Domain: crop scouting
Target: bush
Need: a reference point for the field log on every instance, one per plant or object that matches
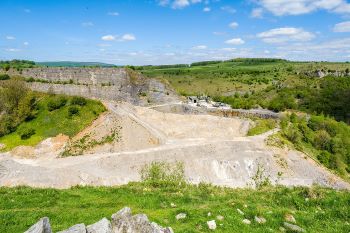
(292, 134)
(77, 100)
(322, 140)
(324, 157)
(56, 102)
(73, 110)
(4, 77)
(162, 173)
(26, 133)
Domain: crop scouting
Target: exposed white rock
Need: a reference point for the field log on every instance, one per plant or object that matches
(211, 224)
(42, 226)
(122, 222)
(259, 219)
(79, 228)
(181, 216)
(293, 227)
(240, 211)
(102, 226)
(289, 218)
(246, 221)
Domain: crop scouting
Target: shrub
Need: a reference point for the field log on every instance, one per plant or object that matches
(77, 100)
(26, 133)
(162, 173)
(292, 134)
(4, 77)
(322, 140)
(56, 103)
(30, 80)
(324, 157)
(73, 110)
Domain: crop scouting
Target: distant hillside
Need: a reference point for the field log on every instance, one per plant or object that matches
(73, 64)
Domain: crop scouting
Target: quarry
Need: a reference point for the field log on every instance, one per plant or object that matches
(149, 122)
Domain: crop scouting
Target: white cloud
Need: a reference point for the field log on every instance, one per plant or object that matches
(287, 34)
(87, 24)
(125, 37)
(233, 25)
(257, 13)
(229, 49)
(235, 41)
(331, 50)
(219, 33)
(178, 4)
(228, 9)
(206, 9)
(128, 37)
(10, 38)
(26, 43)
(108, 38)
(12, 50)
(342, 27)
(170, 54)
(298, 7)
(113, 13)
(200, 47)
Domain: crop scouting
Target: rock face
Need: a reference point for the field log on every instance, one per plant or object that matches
(100, 83)
(102, 226)
(79, 228)
(323, 73)
(122, 222)
(43, 226)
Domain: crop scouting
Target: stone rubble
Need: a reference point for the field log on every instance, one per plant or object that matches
(42, 226)
(246, 221)
(122, 222)
(292, 227)
(289, 218)
(240, 212)
(259, 219)
(180, 216)
(211, 224)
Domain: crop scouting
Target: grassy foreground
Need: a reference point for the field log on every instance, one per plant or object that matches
(315, 209)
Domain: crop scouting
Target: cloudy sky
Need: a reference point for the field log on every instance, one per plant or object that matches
(174, 31)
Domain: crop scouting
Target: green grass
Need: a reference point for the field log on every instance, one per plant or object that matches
(235, 76)
(49, 124)
(276, 84)
(315, 209)
(262, 126)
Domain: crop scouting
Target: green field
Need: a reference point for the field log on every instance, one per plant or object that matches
(315, 209)
(51, 123)
(239, 75)
(269, 83)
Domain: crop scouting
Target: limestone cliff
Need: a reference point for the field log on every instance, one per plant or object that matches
(100, 83)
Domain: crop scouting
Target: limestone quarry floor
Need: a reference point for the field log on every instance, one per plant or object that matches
(213, 149)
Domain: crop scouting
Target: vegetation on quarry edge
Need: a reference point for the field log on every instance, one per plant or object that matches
(29, 117)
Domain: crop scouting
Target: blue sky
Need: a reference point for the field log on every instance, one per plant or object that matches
(140, 32)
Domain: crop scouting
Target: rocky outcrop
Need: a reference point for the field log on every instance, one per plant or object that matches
(43, 226)
(100, 83)
(122, 222)
(323, 73)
